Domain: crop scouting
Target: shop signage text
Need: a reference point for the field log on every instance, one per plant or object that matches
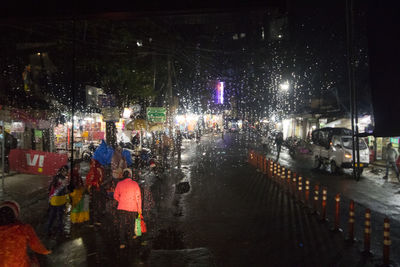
(156, 114)
(36, 162)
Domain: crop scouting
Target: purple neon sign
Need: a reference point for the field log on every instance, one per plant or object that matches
(220, 93)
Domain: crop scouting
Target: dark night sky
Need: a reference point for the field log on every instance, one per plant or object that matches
(382, 29)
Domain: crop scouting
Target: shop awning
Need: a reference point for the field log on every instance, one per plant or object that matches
(136, 125)
(156, 127)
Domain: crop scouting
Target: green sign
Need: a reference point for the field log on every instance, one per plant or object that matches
(38, 133)
(156, 114)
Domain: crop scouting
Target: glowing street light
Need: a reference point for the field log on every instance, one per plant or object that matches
(284, 86)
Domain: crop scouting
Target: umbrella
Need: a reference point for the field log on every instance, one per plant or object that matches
(156, 127)
(136, 125)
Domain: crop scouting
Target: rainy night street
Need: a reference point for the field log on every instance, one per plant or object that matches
(200, 133)
(217, 210)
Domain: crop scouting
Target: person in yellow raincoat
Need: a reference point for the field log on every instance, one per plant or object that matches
(79, 198)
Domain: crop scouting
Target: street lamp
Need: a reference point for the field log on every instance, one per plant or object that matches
(284, 86)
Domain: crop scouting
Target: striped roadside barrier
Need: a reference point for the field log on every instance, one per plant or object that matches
(386, 242)
(300, 189)
(350, 237)
(307, 194)
(323, 208)
(336, 226)
(367, 233)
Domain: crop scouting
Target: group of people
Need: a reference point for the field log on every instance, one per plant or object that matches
(88, 199)
(16, 236)
(115, 184)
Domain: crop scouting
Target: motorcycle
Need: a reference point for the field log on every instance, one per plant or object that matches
(88, 152)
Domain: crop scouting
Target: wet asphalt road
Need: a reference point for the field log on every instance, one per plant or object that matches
(382, 197)
(224, 211)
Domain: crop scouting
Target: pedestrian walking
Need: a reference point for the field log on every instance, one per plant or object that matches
(166, 147)
(128, 195)
(118, 163)
(391, 158)
(58, 192)
(15, 237)
(178, 144)
(278, 142)
(79, 199)
(10, 142)
(94, 179)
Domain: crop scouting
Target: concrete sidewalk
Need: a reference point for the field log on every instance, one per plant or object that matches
(26, 189)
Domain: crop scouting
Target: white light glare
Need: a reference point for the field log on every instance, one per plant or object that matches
(284, 86)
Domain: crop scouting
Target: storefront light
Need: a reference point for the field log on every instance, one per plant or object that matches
(192, 117)
(180, 118)
(127, 113)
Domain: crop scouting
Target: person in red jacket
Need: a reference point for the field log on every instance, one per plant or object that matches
(15, 237)
(129, 198)
(94, 180)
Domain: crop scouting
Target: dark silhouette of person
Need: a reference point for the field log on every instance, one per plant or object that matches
(278, 142)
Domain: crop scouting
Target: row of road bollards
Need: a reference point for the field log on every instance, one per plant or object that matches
(293, 185)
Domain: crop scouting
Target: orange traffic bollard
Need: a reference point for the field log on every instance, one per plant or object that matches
(257, 160)
(350, 237)
(294, 185)
(386, 242)
(300, 189)
(265, 165)
(336, 226)
(253, 158)
(307, 193)
(287, 181)
(278, 175)
(367, 233)
(283, 176)
(271, 169)
(316, 199)
(324, 199)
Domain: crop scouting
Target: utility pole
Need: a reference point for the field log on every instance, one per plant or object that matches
(353, 91)
(73, 85)
(3, 140)
(169, 95)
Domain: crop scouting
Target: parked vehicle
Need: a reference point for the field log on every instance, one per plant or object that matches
(88, 151)
(333, 146)
(233, 126)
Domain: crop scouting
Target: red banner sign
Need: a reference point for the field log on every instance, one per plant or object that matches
(36, 162)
